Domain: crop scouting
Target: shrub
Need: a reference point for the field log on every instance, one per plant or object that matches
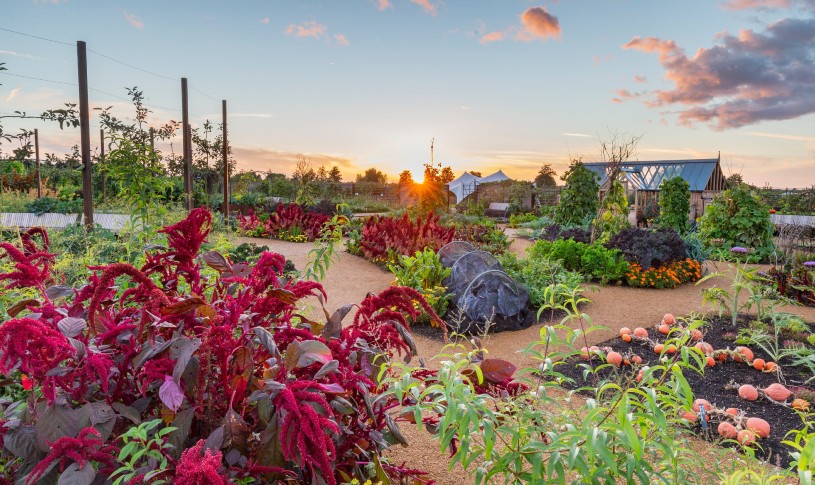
(225, 360)
(694, 247)
(546, 280)
(613, 216)
(674, 204)
(384, 239)
(667, 276)
(53, 204)
(578, 199)
(288, 222)
(425, 273)
(591, 260)
(739, 218)
(647, 247)
(484, 237)
(515, 220)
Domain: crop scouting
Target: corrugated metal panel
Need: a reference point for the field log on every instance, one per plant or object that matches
(792, 220)
(48, 220)
(111, 222)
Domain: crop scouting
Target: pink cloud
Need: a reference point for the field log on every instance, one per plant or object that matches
(307, 29)
(425, 4)
(492, 37)
(133, 20)
(341, 40)
(538, 23)
(744, 79)
(751, 4)
(640, 79)
(265, 20)
(385, 4)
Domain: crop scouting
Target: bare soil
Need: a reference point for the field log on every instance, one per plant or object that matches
(351, 278)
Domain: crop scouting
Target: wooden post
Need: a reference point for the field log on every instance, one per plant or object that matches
(37, 155)
(101, 165)
(226, 162)
(152, 139)
(85, 133)
(187, 145)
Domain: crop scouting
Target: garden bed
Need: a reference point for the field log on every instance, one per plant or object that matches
(713, 385)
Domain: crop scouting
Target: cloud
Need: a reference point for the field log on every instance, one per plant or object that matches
(426, 5)
(385, 4)
(265, 20)
(307, 29)
(14, 92)
(581, 135)
(782, 136)
(751, 4)
(341, 40)
(133, 20)
(22, 55)
(640, 79)
(264, 160)
(744, 79)
(538, 23)
(492, 37)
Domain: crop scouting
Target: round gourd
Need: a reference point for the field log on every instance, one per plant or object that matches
(658, 348)
(614, 358)
(584, 353)
(733, 411)
(626, 337)
(624, 331)
(746, 437)
(743, 354)
(699, 402)
(640, 332)
(748, 392)
(758, 364)
(692, 417)
(705, 347)
(760, 427)
(727, 430)
(710, 361)
(668, 319)
(770, 367)
(696, 334)
(664, 329)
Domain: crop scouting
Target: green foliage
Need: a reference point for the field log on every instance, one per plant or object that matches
(623, 433)
(613, 215)
(803, 441)
(515, 220)
(325, 251)
(425, 273)
(591, 260)
(695, 248)
(53, 204)
(739, 218)
(548, 283)
(674, 204)
(579, 198)
(142, 446)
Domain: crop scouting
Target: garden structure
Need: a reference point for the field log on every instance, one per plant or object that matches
(704, 176)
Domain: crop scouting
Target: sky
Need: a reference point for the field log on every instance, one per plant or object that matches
(508, 85)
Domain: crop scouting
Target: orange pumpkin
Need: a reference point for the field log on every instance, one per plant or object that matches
(743, 354)
(705, 347)
(626, 337)
(584, 353)
(710, 361)
(746, 437)
(759, 426)
(624, 331)
(668, 319)
(699, 402)
(733, 411)
(614, 358)
(777, 392)
(758, 364)
(658, 348)
(696, 334)
(671, 349)
(640, 332)
(664, 329)
(692, 417)
(770, 367)
(636, 359)
(748, 392)
(727, 430)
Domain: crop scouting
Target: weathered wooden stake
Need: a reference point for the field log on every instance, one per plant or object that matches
(187, 145)
(226, 162)
(37, 155)
(101, 165)
(85, 134)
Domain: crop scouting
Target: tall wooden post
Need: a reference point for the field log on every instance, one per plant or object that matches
(37, 155)
(152, 139)
(187, 145)
(85, 132)
(225, 156)
(101, 165)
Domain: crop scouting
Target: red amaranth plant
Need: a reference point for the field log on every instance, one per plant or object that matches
(85, 448)
(232, 360)
(384, 238)
(286, 221)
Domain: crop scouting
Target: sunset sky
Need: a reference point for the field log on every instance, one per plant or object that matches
(499, 84)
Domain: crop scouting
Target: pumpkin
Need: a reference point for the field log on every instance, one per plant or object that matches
(626, 337)
(705, 347)
(759, 426)
(697, 404)
(671, 349)
(800, 405)
(727, 430)
(777, 392)
(692, 417)
(668, 319)
(625, 331)
(743, 353)
(640, 375)
(658, 348)
(584, 353)
(636, 359)
(614, 358)
(640, 332)
(748, 392)
(696, 334)
(664, 329)
(770, 367)
(746, 437)
(710, 361)
(758, 364)
(733, 411)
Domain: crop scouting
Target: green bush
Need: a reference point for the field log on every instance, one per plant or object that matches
(674, 204)
(424, 272)
(737, 217)
(579, 198)
(613, 217)
(546, 280)
(52, 204)
(591, 260)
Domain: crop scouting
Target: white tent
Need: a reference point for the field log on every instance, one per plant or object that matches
(467, 183)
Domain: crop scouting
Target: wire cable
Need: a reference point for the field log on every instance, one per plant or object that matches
(38, 79)
(133, 67)
(36, 37)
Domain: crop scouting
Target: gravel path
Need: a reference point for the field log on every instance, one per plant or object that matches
(351, 278)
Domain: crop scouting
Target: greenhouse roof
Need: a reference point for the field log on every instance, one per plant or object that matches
(649, 175)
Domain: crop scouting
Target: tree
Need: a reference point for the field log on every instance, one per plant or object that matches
(447, 175)
(477, 174)
(546, 176)
(612, 214)
(431, 193)
(735, 179)
(334, 174)
(674, 204)
(373, 175)
(579, 198)
(406, 178)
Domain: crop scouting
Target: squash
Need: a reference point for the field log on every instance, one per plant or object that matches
(696, 334)
(746, 437)
(733, 411)
(748, 392)
(705, 347)
(668, 319)
(743, 354)
(692, 417)
(697, 404)
(640, 332)
(758, 364)
(658, 348)
(777, 392)
(710, 361)
(614, 358)
(664, 329)
(759, 426)
(770, 367)
(727, 430)
(625, 331)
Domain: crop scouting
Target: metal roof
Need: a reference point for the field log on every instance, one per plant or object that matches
(648, 175)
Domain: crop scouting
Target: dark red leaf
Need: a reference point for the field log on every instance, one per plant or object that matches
(497, 370)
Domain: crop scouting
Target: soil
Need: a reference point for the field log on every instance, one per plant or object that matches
(351, 278)
(713, 385)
